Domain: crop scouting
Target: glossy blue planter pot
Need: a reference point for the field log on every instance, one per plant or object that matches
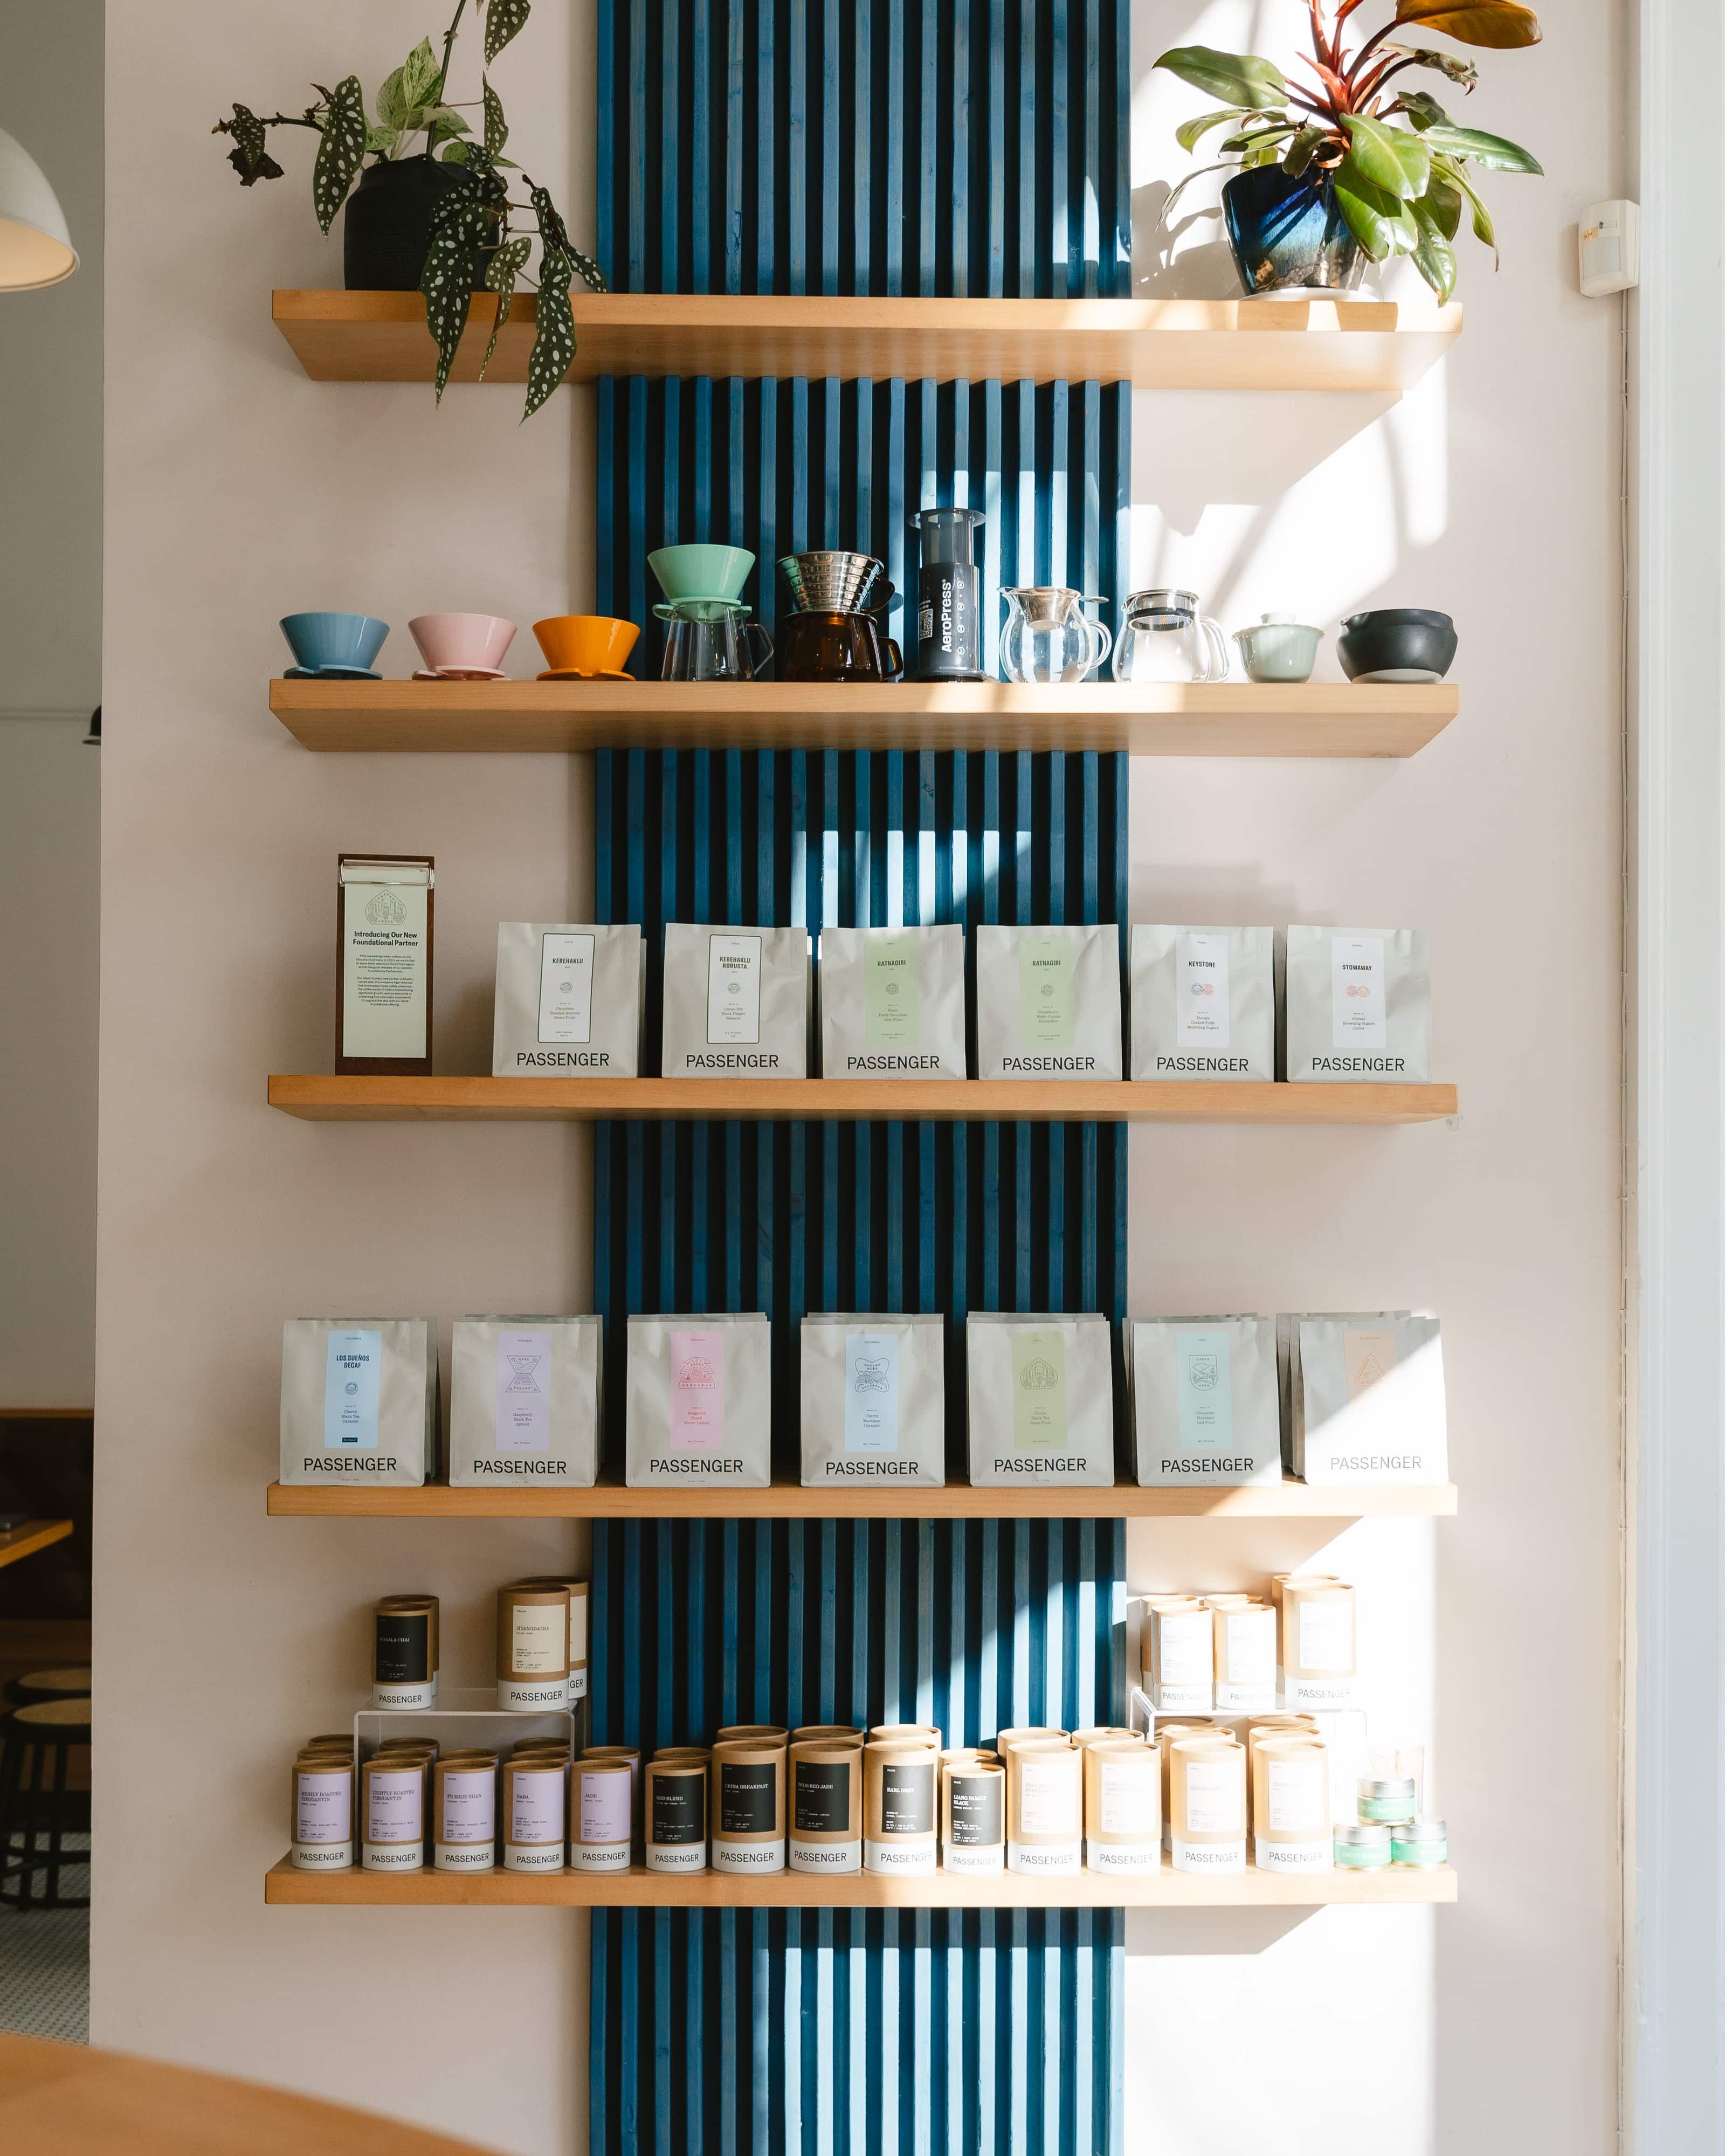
(1288, 235)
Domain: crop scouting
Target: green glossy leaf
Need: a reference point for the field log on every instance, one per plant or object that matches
(392, 105)
(1456, 173)
(1442, 202)
(1424, 111)
(501, 271)
(1191, 132)
(1433, 255)
(421, 76)
(497, 126)
(1254, 138)
(458, 226)
(1379, 220)
(554, 342)
(1245, 81)
(1492, 151)
(1501, 24)
(382, 140)
(1393, 158)
(1174, 193)
(1300, 150)
(445, 124)
(503, 18)
(250, 157)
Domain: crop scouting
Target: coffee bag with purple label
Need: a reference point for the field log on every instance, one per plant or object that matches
(736, 1002)
(1203, 1003)
(569, 1001)
(524, 1403)
(1040, 1406)
(1048, 1002)
(700, 1395)
(359, 1401)
(1356, 1006)
(891, 1003)
(873, 1400)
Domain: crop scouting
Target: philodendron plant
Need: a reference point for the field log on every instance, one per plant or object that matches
(474, 213)
(1398, 166)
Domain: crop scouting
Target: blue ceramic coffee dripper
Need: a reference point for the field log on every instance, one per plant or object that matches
(341, 645)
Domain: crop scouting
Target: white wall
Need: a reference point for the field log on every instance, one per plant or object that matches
(1489, 492)
(50, 681)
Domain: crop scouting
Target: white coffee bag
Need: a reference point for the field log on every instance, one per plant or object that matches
(524, 1403)
(1356, 1006)
(1204, 1401)
(1368, 1401)
(1040, 1405)
(736, 1002)
(359, 1400)
(874, 1400)
(892, 1003)
(1287, 1363)
(1203, 1003)
(699, 1399)
(570, 999)
(1048, 1002)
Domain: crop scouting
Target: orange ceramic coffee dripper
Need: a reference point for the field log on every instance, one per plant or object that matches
(585, 646)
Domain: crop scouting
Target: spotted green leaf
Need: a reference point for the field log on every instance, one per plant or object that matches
(554, 343)
(587, 271)
(503, 18)
(497, 126)
(339, 150)
(248, 156)
(505, 266)
(458, 225)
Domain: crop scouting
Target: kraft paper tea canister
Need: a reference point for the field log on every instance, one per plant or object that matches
(973, 1815)
(700, 1401)
(1290, 1805)
(900, 1797)
(524, 1402)
(533, 1648)
(1367, 1401)
(536, 1808)
(392, 1813)
(748, 1808)
(601, 1813)
(577, 1591)
(1178, 1650)
(1203, 1003)
(736, 1002)
(1205, 1407)
(359, 1400)
(676, 1813)
(1042, 1399)
(404, 1629)
(1122, 1806)
(1044, 1808)
(1207, 1822)
(1319, 1645)
(571, 997)
(1356, 1006)
(1048, 1002)
(320, 1818)
(826, 1803)
(464, 1810)
(873, 1400)
(891, 1003)
(1245, 1635)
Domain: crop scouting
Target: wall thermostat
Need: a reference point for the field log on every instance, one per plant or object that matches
(1611, 246)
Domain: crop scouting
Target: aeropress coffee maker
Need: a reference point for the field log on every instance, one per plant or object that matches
(949, 597)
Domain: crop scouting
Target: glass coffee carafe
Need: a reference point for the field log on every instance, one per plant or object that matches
(1166, 638)
(712, 640)
(1047, 637)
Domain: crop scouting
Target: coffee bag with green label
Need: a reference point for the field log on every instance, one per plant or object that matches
(874, 1400)
(700, 1397)
(892, 1003)
(359, 1401)
(569, 1001)
(736, 1002)
(1040, 1408)
(1203, 1003)
(1356, 1006)
(1204, 1401)
(1048, 1002)
(524, 1403)
(1367, 1398)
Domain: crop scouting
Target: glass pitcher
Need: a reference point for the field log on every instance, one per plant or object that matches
(1166, 638)
(710, 640)
(1047, 637)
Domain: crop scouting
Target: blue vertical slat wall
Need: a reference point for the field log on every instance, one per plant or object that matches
(866, 146)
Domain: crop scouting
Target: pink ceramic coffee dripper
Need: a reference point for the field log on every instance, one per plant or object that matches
(463, 647)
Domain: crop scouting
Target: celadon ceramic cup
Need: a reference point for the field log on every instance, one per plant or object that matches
(701, 573)
(1279, 649)
(595, 644)
(319, 641)
(462, 643)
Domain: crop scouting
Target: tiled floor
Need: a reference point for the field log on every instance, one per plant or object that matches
(44, 1966)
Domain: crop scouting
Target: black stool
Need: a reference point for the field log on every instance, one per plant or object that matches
(46, 1684)
(32, 1806)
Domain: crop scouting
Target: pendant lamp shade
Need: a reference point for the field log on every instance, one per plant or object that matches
(35, 247)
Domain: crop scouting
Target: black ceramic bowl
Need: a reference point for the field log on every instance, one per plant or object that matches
(1396, 639)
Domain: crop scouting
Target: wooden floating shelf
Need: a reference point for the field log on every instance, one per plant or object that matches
(789, 1501)
(1328, 719)
(366, 1099)
(1397, 1886)
(1154, 344)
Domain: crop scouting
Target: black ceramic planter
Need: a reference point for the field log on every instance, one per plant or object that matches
(1396, 639)
(386, 228)
(1288, 235)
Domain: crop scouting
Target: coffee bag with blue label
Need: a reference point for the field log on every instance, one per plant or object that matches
(736, 1002)
(874, 1400)
(700, 1397)
(524, 1403)
(570, 1000)
(1204, 1401)
(891, 1003)
(1203, 1003)
(1048, 1002)
(359, 1401)
(1356, 1006)
(1041, 1404)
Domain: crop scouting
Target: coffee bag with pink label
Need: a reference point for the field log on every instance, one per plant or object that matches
(736, 1003)
(700, 1397)
(1203, 1003)
(524, 1403)
(1040, 1406)
(1048, 1002)
(1366, 1396)
(569, 1000)
(1356, 1006)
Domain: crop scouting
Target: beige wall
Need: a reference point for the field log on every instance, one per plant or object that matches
(238, 491)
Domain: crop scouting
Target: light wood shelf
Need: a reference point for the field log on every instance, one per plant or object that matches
(1397, 1886)
(1155, 344)
(609, 1499)
(359, 1099)
(1323, 719)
